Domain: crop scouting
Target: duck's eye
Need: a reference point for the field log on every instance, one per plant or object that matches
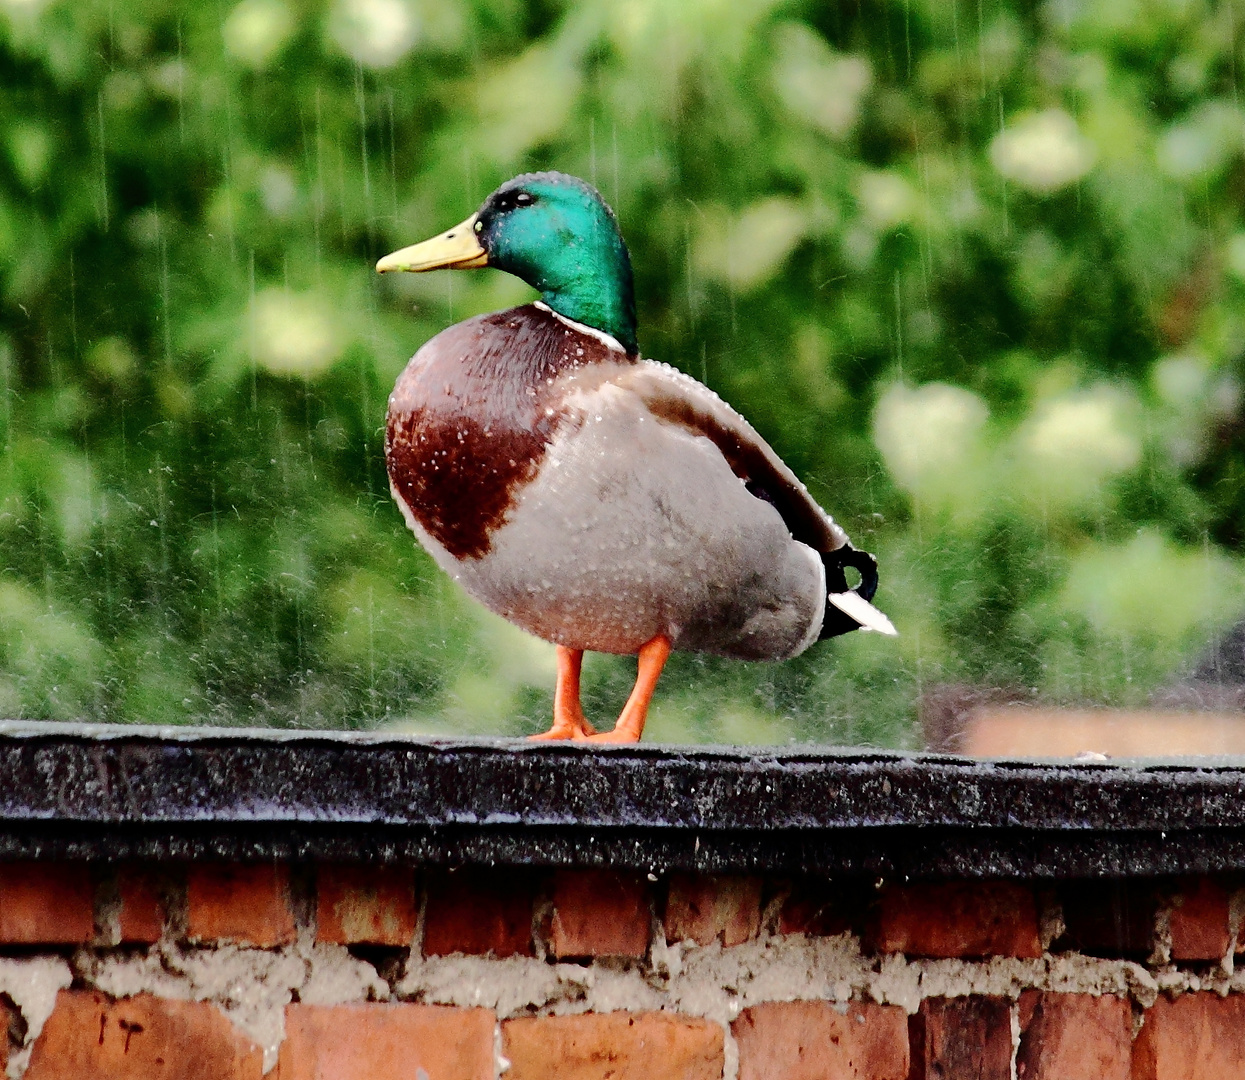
(522, 199)
(479, 226)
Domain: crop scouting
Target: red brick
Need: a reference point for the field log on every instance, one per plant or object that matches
(599, 913)
(816, 908)
(243, 903)
(968, 1038)
(1108, 918)
(617, 1046)
(46, 904)
(1199, 921)
(957, 919)
(705, 908)
(142, 913)
(367, 1041)
(1196, 1037)
(479, 912)
(372, 905)
(1076, 1037)
(1026, 1006)
(91, 1037)
(812, 1040)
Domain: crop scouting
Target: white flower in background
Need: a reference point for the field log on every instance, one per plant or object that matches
(886, 199)
(27, 8)
(819, 85)
(293, 333)
(30, 150)
(1203, 143)
(376, 33)
(1149, 587)
(1236, 255)
(256, 30)
(748, 250)
(1196, 401)
(930, 437)
(170, 78)
(1074, 443)
(77, 498)
(1042, 151)
(1180, 381)
(526, 100)
(278, 191)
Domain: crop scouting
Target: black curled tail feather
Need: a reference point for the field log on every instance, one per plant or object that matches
(836, 562)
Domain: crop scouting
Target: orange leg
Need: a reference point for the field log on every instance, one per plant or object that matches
(653, 656)
(568, 714)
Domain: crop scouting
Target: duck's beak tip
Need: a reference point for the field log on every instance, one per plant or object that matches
(457, 249)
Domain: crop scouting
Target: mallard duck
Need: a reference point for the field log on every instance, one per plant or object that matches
(598, 500)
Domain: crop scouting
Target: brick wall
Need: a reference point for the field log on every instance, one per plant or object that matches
(337, 972)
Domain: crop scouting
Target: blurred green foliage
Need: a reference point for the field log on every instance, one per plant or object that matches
(977, 271)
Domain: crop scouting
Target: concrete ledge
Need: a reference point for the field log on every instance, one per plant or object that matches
(115, 793)
(306, 905)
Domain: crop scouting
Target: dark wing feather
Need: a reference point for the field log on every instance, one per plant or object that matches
(679, 399)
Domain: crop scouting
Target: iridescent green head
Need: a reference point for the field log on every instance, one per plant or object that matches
(556, 233)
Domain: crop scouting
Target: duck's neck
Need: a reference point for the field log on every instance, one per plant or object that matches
(582, 271)
(599, 294)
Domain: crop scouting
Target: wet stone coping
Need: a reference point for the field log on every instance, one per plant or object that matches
(116, 793)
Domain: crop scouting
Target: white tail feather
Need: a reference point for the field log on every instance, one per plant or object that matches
(857, 607)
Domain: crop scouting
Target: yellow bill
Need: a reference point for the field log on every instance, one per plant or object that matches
(458, 249)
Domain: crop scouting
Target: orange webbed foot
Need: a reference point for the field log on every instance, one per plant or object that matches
(653, 656)
(568, 715)
(616, 736)
(569, 721)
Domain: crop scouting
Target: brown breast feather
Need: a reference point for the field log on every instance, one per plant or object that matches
(472, 415)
